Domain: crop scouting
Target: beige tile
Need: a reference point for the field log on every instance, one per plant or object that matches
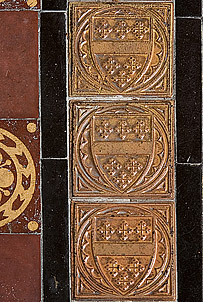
(123, 251)
(121, 48)
(123, 149)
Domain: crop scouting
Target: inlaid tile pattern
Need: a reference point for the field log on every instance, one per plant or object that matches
(123, 149)
(19, 176)
(20, 268)
(19, 83)
(17, 4)
(122, 48)
(123, 251)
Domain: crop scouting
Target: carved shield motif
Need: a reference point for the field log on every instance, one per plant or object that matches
(121, 147)
(121, 49)
(122, 250)
(122, 150)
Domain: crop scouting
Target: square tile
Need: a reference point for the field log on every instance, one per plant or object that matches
(122, 149)
(19, 83)
(19, 176)
(20, 268)
(17, 4)
(123, 251)
(121, 48)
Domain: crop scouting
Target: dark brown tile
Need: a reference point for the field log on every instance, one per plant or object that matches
(20, 268)
(123, 251)
(19, 176)
(17, 4)
(19, 64)
(123, 149)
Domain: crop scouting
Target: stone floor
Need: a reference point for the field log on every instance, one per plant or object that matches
(100, 151)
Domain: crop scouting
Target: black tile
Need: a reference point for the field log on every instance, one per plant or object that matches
(188, 81)
(53, 85)
(189, 208)
(188, 8)
(54, 4)
(55, 230)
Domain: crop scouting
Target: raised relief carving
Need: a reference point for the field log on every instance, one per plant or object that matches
(122, 149)
(17, 177)
(123, 251)
(121, 48)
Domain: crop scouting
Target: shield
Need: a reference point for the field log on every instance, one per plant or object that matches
(123, 247)
(121, 147)
(121, 46)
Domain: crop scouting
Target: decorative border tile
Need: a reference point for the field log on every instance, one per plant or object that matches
(19, 176)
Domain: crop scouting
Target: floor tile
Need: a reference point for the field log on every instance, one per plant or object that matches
(55, 230)
(19, 176)
(123, 251)
(123, 149)
(54, 4)
(19, 84)
(189, 232)
(20, 268)
(17, 4)
(188, 8)
(53, 85)
(122, 48)
(189, 90)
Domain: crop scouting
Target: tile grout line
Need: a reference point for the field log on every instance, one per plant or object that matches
(67, 158)
(41, 237)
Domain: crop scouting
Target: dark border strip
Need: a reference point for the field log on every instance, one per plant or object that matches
(188, 8)
(55, 230)
(189, 94)
(54, 4)
(53, 85)
(189, 236)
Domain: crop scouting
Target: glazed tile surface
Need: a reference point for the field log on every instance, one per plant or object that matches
(19, 83)
(123, 149)
(123, 251)
(122, 48)
(19, 4)
(20, 268)
(19, 176)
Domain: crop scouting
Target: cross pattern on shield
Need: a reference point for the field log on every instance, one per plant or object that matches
(121, 147)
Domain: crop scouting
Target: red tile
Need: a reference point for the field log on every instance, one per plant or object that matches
(19, 64)
(20, 268)
(26, 4)
(19, 176)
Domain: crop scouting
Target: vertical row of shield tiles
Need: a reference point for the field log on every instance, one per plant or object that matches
(122, 151)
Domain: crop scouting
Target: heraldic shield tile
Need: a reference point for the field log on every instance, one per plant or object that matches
(17, 4)
(123, 251)
(19, 176)
(123, 149)
(121, 48)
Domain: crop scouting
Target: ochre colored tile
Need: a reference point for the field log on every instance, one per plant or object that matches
(121, 48)
(19, 176)
(19, 64)
(123, 149)
(17, 4)
(20, 268)
(123, 251)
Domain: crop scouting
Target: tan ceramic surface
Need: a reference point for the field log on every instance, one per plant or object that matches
(123, 251)
(121, 48)
(123, 149)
